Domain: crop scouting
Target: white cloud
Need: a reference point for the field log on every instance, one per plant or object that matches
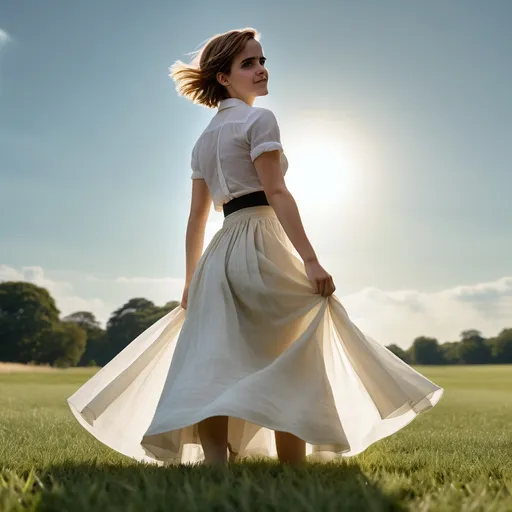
(159, 290)
(4, 37)
(388, 316)
(151, 280)
(61, 291)
(400, 316)
(139, 280)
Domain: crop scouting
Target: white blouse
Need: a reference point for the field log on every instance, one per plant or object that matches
(224, 153)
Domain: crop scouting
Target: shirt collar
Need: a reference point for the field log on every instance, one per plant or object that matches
(230, 102)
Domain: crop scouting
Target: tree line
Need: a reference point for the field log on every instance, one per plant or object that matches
(32, 331)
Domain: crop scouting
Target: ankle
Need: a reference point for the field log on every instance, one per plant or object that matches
(216, 455)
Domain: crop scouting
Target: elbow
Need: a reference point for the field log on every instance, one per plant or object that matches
(275, 194)
(198, 217)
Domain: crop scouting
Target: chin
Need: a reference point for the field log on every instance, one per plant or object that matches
(263, 93)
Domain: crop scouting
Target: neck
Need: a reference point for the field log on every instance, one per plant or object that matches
(249, 100)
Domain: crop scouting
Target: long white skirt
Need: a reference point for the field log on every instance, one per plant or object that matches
(255, 344)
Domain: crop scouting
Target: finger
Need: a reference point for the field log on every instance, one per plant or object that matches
(327, 287)
(322, 287)
(331, 286)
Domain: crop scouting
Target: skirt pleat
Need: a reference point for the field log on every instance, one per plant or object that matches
(255, 344)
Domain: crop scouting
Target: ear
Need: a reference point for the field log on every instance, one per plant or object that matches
(222, 79)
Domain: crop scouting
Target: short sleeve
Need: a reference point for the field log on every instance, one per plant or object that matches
(196, 171)
(263, 133)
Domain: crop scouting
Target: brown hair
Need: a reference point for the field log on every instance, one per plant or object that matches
(197, 81)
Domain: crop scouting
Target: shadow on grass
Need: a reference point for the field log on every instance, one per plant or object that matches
(249, 486)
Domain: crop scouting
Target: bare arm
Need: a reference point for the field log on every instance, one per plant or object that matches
(271, 177)
(199, 210)
(280, 198)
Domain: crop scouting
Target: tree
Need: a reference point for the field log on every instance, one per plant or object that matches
(64, 345)
(426, 351)
(84, 319)
(473, 348)
(501, 347)
(469, 334)
(169, 306)
(27, 314)
(450, 352)
(159, 312)
(132, 319)
(97, 348)
(399, 352)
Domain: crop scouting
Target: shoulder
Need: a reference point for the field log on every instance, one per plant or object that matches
(202, 139)
(257, 112)
(259, 116)
(196, 148)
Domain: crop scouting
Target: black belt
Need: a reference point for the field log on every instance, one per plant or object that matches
(258, 198)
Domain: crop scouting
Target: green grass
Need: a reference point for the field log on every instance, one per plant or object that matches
(456, 457)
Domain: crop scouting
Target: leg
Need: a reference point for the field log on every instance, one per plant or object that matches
(290, 448)
(213, 433)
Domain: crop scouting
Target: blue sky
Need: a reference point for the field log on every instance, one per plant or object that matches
(395, 116)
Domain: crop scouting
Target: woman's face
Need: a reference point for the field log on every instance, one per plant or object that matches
(249, 77)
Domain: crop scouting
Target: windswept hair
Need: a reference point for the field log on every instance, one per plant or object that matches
(197, 81)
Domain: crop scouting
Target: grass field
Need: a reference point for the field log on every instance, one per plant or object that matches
(456, 457)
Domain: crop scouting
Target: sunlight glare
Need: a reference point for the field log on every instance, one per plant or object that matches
(329, 162)
(322, 171)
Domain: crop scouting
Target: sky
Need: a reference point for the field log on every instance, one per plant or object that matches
(395, 117)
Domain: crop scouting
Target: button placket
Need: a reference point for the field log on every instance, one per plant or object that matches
(222, 180)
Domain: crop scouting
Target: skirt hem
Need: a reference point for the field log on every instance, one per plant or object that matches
(406, 417)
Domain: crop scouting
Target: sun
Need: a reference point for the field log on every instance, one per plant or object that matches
(322, 171)
(327, 161)
(330, 168)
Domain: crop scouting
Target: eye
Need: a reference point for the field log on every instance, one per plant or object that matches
(248, 63)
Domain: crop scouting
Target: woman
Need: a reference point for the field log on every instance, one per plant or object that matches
(266, 360)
